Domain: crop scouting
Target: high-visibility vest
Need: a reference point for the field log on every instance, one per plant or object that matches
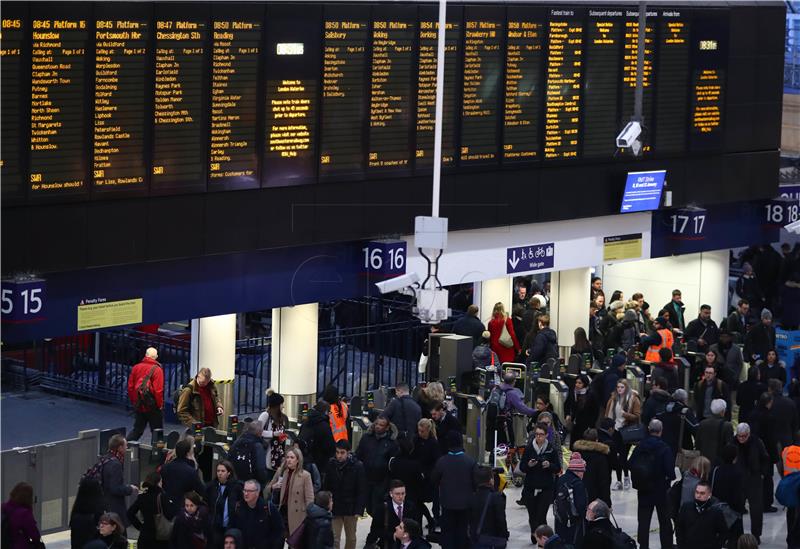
(791, 459)
(339, 421)
(666, 343)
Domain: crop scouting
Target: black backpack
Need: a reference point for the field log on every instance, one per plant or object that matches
(564, 506)
(496, 403)
(176, 397)
(619, 539)
(642, 469)
(242, 455)
(144, 396)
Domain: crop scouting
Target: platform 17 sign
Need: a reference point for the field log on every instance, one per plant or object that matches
(534, 257)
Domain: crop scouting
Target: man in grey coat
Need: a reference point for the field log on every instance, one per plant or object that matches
(112, 479)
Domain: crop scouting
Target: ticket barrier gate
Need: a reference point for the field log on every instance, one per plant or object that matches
(636, 378)
(471, 413)
(359, 426)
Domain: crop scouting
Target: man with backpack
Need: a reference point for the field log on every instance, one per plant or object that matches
(600, 533)
(248, 456)
(569, 504)
(108, 473)
(652, 467)
(503, 400)
(180, 476)
(146, 393)
(403, 411)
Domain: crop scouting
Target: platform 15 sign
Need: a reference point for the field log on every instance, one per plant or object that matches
(22, 301)
(384, 257)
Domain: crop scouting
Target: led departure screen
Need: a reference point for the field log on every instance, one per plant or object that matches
(672, 78)
(11, 39)
(426, 91)
(706, 100)
(709, 52)
(234, 102)
(601, 81)
(629, 73)
(563, 94)
(179, 152)
(483, 68)
(522, 88)
(390, 93)
(120, 117)
(58, 113)
(343, 96)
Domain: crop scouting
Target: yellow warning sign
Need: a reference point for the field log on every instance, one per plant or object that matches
(626, 246)
(105, 314)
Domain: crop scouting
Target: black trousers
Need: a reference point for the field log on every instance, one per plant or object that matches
(375, 497)
(155, 418)
(768, 488)
(537, 507)
(645, 514)
(753, 493)
(454, 528)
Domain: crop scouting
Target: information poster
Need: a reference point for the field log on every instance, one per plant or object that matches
(95, 314)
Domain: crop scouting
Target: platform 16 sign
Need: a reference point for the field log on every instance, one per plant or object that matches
(22, 301)
(385, 257)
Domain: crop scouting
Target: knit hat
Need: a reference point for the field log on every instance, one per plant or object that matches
(618, 360)
(630, 315)
(273, 399)
(618, 304)
(766, 314)
(576, 463)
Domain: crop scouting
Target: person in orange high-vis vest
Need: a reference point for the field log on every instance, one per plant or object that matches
(655, 344)
(790, 457)
(339, 414)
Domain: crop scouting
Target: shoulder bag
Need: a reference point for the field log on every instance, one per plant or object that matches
(495, 542)
(632, 433)
(163, 525)
(684, 458)
(505, 337)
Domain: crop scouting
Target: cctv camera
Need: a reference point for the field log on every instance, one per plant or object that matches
(397, 283)
(629, 135)
(793, 227)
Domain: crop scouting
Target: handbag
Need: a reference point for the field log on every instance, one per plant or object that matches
(163, 525)
(484, 540)
(632, 433)
(296, 538)
(684, 459)
(728, 513)
(505, 337)
(422, 364)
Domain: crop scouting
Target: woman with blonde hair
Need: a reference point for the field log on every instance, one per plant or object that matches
(625, 408)
(426, 452)
(429, 396)
(503, 338)
(296, 491)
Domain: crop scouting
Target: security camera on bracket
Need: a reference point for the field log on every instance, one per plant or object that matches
(629, 139)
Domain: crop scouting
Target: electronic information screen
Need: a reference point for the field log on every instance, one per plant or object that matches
(174, 98)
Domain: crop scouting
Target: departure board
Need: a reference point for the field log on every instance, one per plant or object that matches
(483, 69)
(343, 94)
(426, 91)
(706, 100)
(708, 54)
(234, 102)
(119, 121)
(522, 87)
(58, 112)
(11, 40)
(672, 76)
(629, 73)
(564, 79)
(393, 56)
(179, 141)
(601, 82)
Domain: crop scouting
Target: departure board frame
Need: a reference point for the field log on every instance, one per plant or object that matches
(708, 58)
(13, 37)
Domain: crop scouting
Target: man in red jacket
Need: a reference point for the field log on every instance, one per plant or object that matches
(146, 392)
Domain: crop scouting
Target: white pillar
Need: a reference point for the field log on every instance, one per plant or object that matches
(294, 354)
(493, 291)
(213, 346)
(714, 268)
(569, 303)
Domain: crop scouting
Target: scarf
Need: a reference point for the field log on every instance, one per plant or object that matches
(285, 487)
(539, 449)
(580, 392)
(119, 454)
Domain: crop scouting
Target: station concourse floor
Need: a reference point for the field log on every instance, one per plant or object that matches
(36, 417)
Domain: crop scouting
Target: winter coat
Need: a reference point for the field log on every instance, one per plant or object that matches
(572, 534)
(784, 417)
(747, 395)
(545, 345)
(375, 453)
(348, 484)
(114, 541)
(319, 528)
(696, 330)
(537, 477)
(494, 522)
(156, 383)
(720, 390)
(663, 472)
(21, 525)
(712, 435)
(775, 371)
(632, 412)
(188, 529)
(426, 452)
(404, 467)
(599, 534)
(300, 493)
(253, 445)
(190, 404)
(454, 476)
(316, 432)
(668, 371)
(597, 479)
(673, 415)
(448, 423)
(233, 494)
(114, 488)
(261, 526)
(730, 359)
(147, 504)
(179, 476)
(726, 485)
(583, 411)
(405, 413)
(470, 326)
(655, 404)
(752, 458)
(759, 340)
(701, 527)
(482, 357)
(506, 354)
(762, 425)
(676, 315)
(83, 528)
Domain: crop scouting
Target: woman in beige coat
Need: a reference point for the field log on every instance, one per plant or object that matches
(295, 488)
(625, 408)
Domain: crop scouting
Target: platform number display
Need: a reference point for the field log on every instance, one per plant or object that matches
(782, 211)
(22, 301)
(384, 257)
(688, 223)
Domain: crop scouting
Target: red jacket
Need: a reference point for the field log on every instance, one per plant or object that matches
(495, 326)
(138, 373)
